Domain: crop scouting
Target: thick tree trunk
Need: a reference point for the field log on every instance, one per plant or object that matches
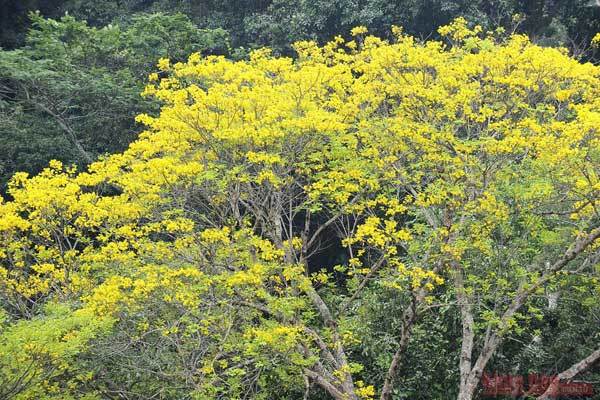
(467, 391)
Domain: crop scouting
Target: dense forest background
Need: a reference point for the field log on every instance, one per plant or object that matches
(71, 71)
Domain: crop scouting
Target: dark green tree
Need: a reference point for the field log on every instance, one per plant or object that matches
(72, 92)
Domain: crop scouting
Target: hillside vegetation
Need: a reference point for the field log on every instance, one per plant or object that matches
(371, 218)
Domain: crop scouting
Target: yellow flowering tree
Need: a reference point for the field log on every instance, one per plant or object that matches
(467, 169)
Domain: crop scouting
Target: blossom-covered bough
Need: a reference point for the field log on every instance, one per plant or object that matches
(467, 170)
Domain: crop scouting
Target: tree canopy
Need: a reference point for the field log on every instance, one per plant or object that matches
(457, 182)
(72, 69)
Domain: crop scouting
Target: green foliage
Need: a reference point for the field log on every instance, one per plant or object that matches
(278, 23)
(148, 37)
(72, 92)
(39, 357)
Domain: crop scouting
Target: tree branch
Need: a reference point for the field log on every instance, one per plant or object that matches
(570, 373)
